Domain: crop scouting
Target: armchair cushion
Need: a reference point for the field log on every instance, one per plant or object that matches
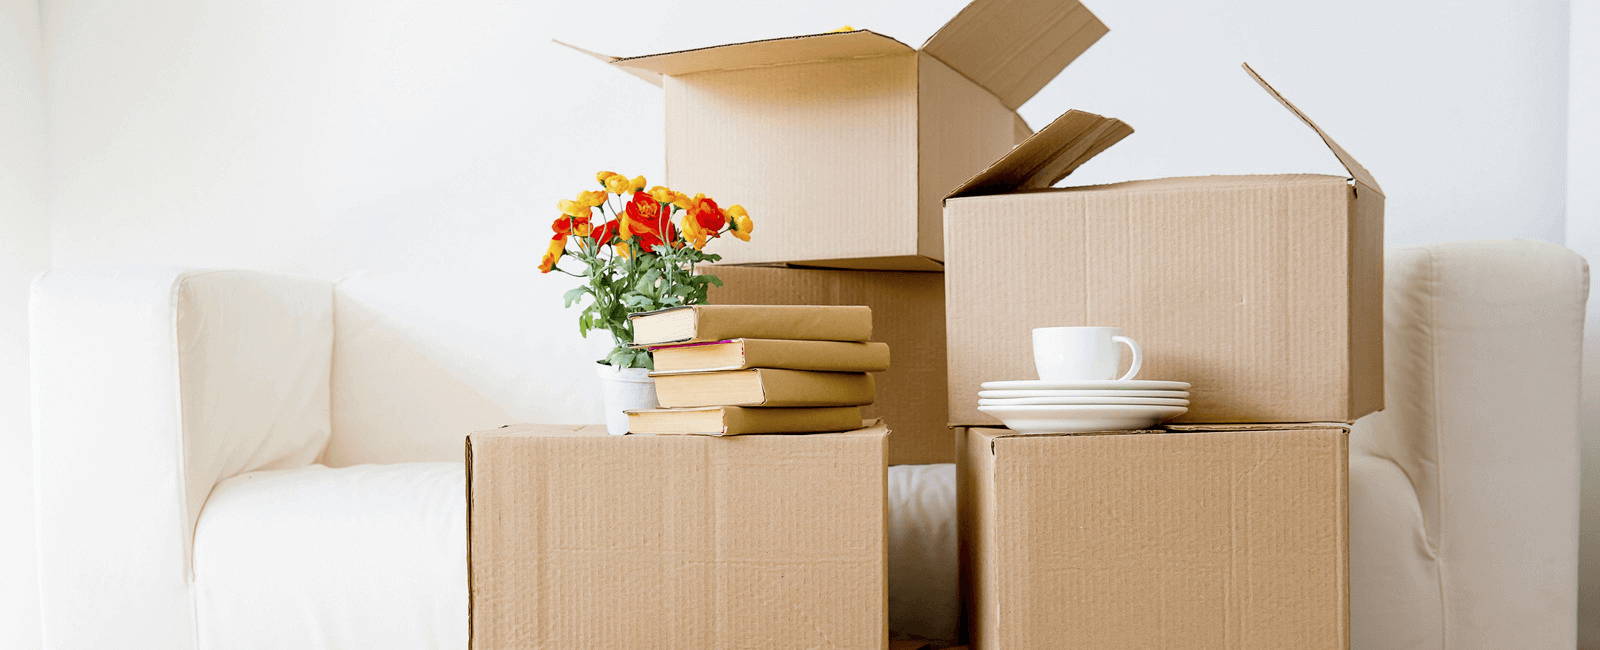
(369, 556)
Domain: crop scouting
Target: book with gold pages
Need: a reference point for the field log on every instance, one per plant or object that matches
(737, 420)
(707, 323)
(763, 387)
(739, 354)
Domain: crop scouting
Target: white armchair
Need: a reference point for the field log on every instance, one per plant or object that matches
(180, 417)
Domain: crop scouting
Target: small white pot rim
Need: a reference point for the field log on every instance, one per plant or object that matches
(632, 375)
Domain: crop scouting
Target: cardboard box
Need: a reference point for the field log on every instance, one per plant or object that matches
(1264, 292)
(907, 314)
(841, 145)
(1156, 539)
(577, 539)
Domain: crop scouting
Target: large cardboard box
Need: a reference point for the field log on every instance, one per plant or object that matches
(907, 314)
(841, 145)
(577, 539)
(1156, 539)
(1264, 292)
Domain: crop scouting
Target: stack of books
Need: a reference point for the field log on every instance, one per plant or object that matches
(742, 369)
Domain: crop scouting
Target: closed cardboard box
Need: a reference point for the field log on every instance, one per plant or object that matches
(907, 314)
(855, 134)
(1264, 292)
(1156, 539)
(577, 539)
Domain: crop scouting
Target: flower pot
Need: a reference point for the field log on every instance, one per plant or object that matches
(624, 389)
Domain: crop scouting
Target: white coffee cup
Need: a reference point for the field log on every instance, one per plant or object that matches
(1082, 353)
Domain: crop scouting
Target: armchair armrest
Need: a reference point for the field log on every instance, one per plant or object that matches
(150, 385)
(1483, 342)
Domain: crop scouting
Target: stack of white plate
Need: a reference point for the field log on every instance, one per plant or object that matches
(1033, 406)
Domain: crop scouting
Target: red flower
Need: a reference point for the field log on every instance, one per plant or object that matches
(708, 216)
(604, 233)
(645, 222)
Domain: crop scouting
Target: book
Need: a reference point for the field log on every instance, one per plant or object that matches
(706, 323)
(764, 387)
(738, 354)
(737, 420)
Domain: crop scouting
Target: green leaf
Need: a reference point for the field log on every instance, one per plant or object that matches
(574, 295)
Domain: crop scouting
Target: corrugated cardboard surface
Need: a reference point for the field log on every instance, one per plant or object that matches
(1261, 291)
(874, 132)
(582, 540)
(825, 174)
(960, 127)
(907, 313)
(1204, 539)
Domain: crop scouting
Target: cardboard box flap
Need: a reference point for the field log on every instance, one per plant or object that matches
(777, 51)
(1048, 156)
(1014, 47)
(653, 78)
(1357, 172)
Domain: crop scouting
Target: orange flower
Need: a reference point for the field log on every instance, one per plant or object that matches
(558, 247)
(565, 225)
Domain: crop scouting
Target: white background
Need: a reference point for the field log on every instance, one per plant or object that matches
(427, 142)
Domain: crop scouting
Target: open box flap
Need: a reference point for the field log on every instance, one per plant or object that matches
(1357, 172)
(1048, 156)
(1014, 47)
(776, 51)
(652, 77)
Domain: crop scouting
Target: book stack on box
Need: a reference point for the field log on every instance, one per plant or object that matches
(752, 369)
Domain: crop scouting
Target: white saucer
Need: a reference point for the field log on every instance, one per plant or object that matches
(1108, 384)
(1081, 401)
(1167, 394)
(1081, 419)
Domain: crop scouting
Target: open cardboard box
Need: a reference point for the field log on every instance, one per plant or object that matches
(855, 135)
(1264, 292)
(1208, 537)
(907, 314)
(578, 539)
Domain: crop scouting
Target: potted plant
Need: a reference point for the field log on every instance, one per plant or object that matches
(638, 250)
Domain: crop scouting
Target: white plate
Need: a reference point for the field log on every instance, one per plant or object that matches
(1082, 401)
(1168, 394)
(1109, 384)
(1081, 419)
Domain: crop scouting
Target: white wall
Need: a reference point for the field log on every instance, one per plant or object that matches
(428, 141)
(24, 251)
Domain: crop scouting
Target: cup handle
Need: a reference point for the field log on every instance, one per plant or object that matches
(1138, 357)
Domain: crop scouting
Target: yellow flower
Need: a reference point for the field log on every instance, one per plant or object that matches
(846, 28)
(739, 222)
(618, 184)
(638, 184)
(692, 232)
(591, 198)
(573, 208)
(662, 194)
(680, 200)
(602, 176)
(623, 251)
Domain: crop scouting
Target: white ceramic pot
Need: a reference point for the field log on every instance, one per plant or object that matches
(624, 389)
